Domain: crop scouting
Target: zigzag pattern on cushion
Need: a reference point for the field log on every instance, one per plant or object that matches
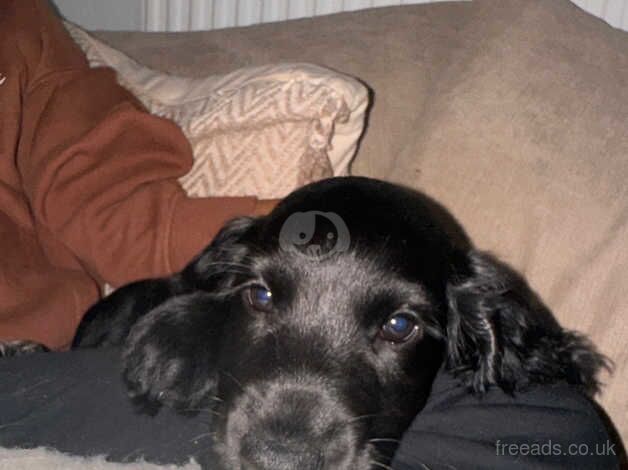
(228, 162)
(260, 144)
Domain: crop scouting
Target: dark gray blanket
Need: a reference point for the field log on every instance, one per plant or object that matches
(75, 402)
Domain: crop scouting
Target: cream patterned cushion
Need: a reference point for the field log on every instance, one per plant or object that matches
(256, 131)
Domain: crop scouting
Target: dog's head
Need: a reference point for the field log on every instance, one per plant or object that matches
(315, 332)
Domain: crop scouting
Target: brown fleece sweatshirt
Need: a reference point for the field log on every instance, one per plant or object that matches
(88, 182)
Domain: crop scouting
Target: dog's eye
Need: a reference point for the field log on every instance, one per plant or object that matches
(259, 298)
(399, 328)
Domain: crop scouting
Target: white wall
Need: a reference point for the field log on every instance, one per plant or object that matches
(184, 15)
(104, 14)
(614, 12)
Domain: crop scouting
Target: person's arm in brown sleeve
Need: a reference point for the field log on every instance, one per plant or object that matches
(99, 172)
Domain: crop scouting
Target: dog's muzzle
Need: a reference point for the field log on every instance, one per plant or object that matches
(275, 426)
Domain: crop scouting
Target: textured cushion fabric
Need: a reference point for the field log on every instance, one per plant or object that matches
(512, 113)
(43, 458)
(259, 130)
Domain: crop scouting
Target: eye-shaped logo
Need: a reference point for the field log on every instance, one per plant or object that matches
(314, 233)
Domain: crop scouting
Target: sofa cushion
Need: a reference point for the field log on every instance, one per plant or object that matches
(258, 130)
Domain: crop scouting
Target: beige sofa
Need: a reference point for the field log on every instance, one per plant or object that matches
(512, 113)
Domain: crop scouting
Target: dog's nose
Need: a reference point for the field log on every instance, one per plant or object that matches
(294, 430)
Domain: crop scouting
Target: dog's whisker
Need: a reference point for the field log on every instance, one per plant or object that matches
(358, 418)
(202, 410)
(381, 465)
(349, 422)
(232, 271)
(232, 377)
(224, 265)
(250, 393)
(202, 436)
(384, 439)
(227, 263)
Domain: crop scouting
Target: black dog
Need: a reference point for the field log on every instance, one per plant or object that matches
(314, 333)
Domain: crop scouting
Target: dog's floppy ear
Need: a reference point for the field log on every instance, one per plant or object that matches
(224, 255)
(169, 356)
(499, 333)
(107, 322)
(170, 353)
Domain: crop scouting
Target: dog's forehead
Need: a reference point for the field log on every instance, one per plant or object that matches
(344, 214)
